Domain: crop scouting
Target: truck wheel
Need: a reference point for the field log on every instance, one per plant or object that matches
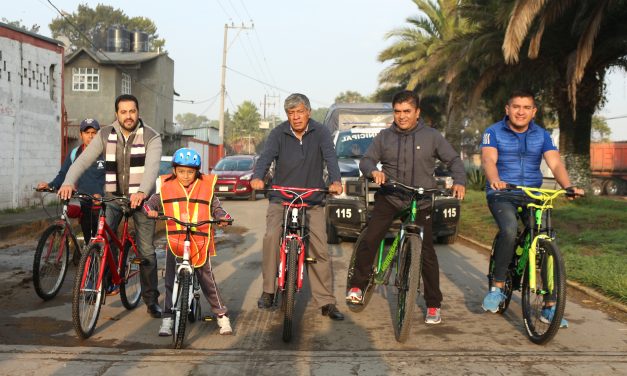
(613, 187)
(332, 237)
(596, 187)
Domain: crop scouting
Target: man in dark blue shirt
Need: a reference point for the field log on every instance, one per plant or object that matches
(511, 153)
(300, 148)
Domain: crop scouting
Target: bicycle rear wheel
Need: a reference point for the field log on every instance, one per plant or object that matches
(369, 289)
(550, 279)
(130, 289)
(508, 286)
(51, 261)
(180, 309)
(290, 288)
(86, 295)
(408, 284)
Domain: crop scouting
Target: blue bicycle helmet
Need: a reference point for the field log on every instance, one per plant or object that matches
(186, 157)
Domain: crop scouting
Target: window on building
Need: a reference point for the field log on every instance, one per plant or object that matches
(85, 79)
(126, 83)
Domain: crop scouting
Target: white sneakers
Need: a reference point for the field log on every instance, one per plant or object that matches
(225, 325)
(167, 323)
(166, 327)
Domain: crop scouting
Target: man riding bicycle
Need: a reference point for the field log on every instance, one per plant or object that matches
(300, 148)
(511, 152)
(407, 151)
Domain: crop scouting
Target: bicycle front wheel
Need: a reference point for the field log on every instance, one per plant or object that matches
(181, 309)
(290, 288)
(51, 261)
(550, 289)
(408, 284)
(369, 289)
(88, 292)
(130, 289)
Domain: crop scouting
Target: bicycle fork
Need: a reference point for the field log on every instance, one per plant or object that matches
(283, 262)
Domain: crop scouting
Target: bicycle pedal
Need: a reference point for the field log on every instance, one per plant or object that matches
(137, 261)
(208, 318)
(311, 260)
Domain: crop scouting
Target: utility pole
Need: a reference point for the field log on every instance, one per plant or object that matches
(223, 84)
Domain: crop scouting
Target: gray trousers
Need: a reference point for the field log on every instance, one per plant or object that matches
(320, 274)
(145, 231)
(205, 278)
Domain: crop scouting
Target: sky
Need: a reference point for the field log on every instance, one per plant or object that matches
(319, 48)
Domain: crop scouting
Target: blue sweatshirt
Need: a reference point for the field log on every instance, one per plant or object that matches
(92, 181)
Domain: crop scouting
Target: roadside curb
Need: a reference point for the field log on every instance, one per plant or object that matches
(576, 285)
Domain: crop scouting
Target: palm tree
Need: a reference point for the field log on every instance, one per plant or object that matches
(418, 61)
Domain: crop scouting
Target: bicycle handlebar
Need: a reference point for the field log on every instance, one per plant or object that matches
(542, 194)
(292, 192)
(420, 190)
(192, 224)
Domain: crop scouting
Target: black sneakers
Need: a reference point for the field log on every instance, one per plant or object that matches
(265, 301)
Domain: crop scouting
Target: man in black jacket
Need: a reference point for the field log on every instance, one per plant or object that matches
(407, 151)
(300, 147)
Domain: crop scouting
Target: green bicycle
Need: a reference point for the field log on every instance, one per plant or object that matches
(537, 264)
(405, 253)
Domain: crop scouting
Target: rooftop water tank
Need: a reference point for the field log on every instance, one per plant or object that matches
(139, 41)
(118, 39)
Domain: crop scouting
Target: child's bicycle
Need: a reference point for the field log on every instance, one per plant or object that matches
(293, 250)
(537, 264)
(406, 253)
(53, 251)
(97, 262)
(186, 289)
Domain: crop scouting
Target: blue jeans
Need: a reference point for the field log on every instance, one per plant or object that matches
(504, 208)
(144, 235)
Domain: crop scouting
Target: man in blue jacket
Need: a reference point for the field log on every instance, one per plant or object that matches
(91, 182)
(511, 152)
(300, 147)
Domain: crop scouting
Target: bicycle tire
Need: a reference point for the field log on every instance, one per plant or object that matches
(51, 261)
(369, 289)
(290, 288)
(86, 300)
(408, 284)
(547, 253)
(508, 287)
(181, 309)
(130, 289)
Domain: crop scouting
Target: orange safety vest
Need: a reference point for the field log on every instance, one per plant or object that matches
(176, 202)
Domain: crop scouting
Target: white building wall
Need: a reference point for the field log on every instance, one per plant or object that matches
(30, 120)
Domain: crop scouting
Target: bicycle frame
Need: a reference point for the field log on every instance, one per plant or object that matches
(294, 229)
(106, 236)
(537, 229)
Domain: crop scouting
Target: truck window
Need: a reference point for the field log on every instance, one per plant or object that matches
(353, 145)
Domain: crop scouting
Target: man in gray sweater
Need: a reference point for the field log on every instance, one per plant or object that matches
(407, 151)
(132, 153)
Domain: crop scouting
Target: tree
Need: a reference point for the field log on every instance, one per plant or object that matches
(33, 29)
(600, 130)
(189, 120)
(87, 25)
(350, 97)
(244, 133)
(319, 114)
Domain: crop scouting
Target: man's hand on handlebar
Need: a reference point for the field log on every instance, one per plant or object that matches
(498, 185)
(574, 192)
(257, 184)
(378, 177)
(65, 192)
(335, 188)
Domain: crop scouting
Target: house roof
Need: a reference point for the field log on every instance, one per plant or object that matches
(34, 35)
(114, 58)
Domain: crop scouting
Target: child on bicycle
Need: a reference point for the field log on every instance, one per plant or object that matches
(187, 195)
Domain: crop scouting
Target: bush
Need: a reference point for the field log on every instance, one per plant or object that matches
(475, 179)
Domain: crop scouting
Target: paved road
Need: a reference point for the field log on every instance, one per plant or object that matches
(37, 337)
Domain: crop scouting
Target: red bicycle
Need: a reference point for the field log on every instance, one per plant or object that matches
(90, 282)
(293, 251)
(53, 251)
